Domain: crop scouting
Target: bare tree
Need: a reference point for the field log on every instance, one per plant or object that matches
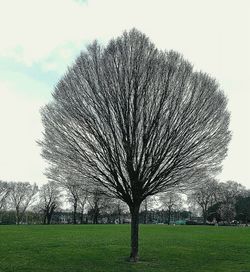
(49, 200)
(136, 120)
(171, 201)
(229, 192)
(113, 209)
(74, 184)
(98, 202)
(82, 201)
(4, 192)
(147, 203)
(119, 208)
(21, 196)
(205, 195)
(227, 212)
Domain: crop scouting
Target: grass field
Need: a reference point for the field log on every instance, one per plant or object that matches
(59, 248)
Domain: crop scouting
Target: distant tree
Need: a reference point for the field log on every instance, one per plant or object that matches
(230, 191)
(21, 196)
(227, 212)
(98, 202)
(120, 208)
(146, 205)
(74, 184)
(170, 201)
(243, 209)
(82, 201)
(205, 195)
(4, 192)
(137, 121)
(49, 200)
(115, 208)
(214, 212)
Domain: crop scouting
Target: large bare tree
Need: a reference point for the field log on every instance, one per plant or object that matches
(136, 120)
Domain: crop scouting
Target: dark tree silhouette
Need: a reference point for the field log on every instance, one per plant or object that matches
(243, 209)
(136, 120)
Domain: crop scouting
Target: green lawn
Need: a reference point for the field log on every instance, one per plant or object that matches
(68, 248)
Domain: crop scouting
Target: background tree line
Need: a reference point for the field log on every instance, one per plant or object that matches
(71, 201)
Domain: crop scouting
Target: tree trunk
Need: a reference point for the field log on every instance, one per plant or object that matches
(81, 218)
(74, 213)
(96, 219)
(169, 216)
(204, 217)
(44, 219)
(134, 233)
(17, 216)
(96, 215)
(49, 216)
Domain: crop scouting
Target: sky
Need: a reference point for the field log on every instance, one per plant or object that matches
(41, 38)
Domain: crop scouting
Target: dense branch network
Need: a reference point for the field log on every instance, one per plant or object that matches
(136, 119)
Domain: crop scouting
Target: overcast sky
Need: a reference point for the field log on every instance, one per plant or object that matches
(39, 39)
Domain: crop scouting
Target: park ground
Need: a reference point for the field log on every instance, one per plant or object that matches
(69, 248)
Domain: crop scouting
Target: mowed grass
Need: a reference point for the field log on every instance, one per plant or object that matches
(59, 248)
